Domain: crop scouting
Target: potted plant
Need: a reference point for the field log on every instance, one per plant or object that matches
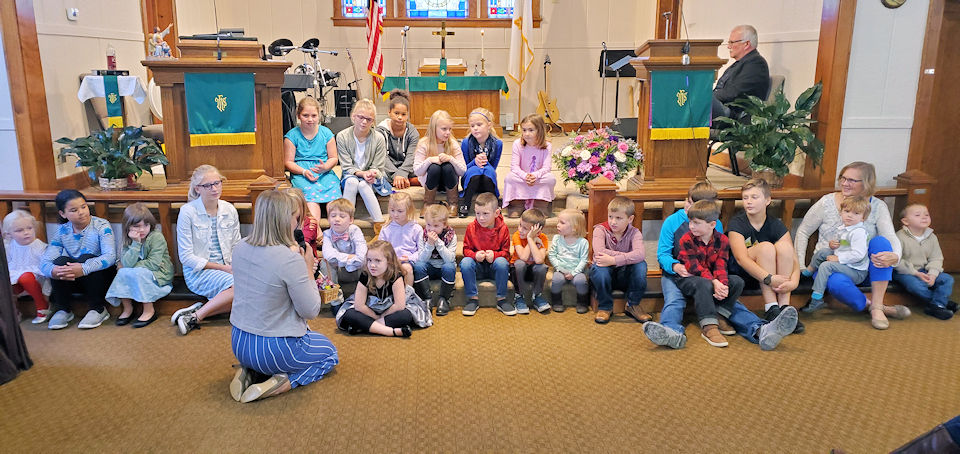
(599, 152)
(770, 136)
(113, 155)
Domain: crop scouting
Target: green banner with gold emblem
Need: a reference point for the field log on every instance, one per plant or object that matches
(111, 93)
(220, 108)
(680, 104)
(442, 79)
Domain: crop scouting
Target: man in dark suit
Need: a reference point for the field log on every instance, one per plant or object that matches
(748, 75)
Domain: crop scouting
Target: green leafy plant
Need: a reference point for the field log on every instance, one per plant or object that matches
(771, 136)
(114, 153)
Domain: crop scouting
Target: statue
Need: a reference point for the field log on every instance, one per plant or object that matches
(156, 45)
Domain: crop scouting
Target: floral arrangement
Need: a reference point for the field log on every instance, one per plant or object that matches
(599, 152)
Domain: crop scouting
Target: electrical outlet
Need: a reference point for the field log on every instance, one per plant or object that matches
(73, 14)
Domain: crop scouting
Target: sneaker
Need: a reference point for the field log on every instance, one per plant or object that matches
(241, 381)
(507, 307)
(661, 335)
(93, 319)
(187, 310)
(771, 313)
(60, 320)
(953, 306)
(711, 334)
(541, 304)
(800, 328)
(471, 307)
(770, 334)
(724, 326)
(941, 313)
(813, 306)
(42, 316)
(637, 313)
(520, 305)
(187, 323)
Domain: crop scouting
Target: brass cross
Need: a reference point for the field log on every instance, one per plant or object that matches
(443, 33)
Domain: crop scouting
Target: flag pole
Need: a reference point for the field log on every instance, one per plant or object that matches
(520, 88)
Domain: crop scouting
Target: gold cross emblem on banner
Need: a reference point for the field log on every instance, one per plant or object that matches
(112, 97)
(221, 102)
(681, 97)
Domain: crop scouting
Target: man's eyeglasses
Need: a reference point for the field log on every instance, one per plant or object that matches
(730, 43)
(209, 186)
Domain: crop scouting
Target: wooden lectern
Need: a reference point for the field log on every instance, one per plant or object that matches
(243, 162)
(671, 163)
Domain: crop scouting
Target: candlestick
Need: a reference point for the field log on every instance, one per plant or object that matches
(481, 43)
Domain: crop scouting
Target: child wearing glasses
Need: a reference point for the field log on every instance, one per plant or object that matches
(363, 158)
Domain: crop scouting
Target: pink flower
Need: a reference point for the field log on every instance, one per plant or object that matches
(572, 173)
(590, 135)
(578, 139)
(594, 160)
(623, 147)
(593, 145)
(608, 175)
(595, 170)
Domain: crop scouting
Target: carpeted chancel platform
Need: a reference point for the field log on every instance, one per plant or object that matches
(493, 384)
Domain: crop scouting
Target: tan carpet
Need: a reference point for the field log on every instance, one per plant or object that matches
(492, 383)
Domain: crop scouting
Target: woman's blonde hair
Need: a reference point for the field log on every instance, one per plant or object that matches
(868, 173)
(133, 214)
(402, 199)
(393, 271)
(271, 220)
(431, 135)
(539, 126)
(300, 202)
(486, 115)
(15, 216)
(577, 220)
(197, 177)
(308, 101)
(365, 104)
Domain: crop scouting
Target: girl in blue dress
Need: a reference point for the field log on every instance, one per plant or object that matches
(310, 154)
(481, 149)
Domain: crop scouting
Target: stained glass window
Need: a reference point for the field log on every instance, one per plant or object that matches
(500, 9)
(357, 9)
(440, 9)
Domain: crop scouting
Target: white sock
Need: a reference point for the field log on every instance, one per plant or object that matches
(766, 307)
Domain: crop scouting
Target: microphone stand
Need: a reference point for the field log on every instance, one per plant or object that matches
(603, 84)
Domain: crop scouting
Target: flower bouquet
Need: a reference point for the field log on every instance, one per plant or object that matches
(599, 152)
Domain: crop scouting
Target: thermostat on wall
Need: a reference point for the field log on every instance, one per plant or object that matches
(73, 13)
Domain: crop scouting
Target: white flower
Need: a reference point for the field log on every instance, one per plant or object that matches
(566, 152)
(620, 157)
(584, 155)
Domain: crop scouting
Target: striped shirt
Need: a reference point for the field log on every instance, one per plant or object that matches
(96, 239)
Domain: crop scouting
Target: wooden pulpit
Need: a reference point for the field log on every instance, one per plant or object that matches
(672, 163)
(243, 162)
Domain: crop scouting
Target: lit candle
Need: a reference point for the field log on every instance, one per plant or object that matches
(481, 44)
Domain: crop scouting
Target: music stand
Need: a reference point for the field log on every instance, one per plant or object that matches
(620, 68)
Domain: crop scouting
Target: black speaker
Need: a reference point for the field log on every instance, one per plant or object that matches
(627, 127)
(344, 100)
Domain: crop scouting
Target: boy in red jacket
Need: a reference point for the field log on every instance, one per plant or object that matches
(486, 246)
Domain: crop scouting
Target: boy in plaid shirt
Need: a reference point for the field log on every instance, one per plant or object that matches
(703, 252)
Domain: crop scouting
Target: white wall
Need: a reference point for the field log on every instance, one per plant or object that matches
(69, 48)
(10, 177)
(882, 86)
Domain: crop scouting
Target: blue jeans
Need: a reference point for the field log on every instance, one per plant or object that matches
(845, 290)
(424, 270)
(937, 295)
(632, 279)
(745, 322)
(499, 271)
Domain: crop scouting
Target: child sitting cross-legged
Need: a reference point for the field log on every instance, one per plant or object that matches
(529, 256)
(344, 247)
(920, 270)
(438, 255)
(486, 246)
(847, 253)
(704, 253)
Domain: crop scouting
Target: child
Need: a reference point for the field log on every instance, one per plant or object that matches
(528, 258)
(438, 254)
(439, 161)
(310, 154)
(920, 270)
(344, 247)
(530, 182)
(618, 262)
(308, 229)
(568, 253)
(847, 253)
(208, 228)
(703, 253)
(486, 246)
(80, 258)
(363, 159)
(24, 253)
(145, 271)
(481, 150)
(402, 138)
(388, 307)
(402, 234)
(762, 252)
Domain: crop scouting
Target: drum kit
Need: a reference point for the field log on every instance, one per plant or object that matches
(311, 75)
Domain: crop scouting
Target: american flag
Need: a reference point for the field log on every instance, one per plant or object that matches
(374, 33)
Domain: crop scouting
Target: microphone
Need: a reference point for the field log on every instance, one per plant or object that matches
(604, 44)
(685, 60)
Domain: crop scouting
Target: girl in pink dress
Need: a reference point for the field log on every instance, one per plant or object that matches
(530, 182)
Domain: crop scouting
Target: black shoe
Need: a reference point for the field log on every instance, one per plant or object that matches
(463, 211)
(583, 304)
(800, 328)
(952, 305)
(142, 323)
(443, 306)
(121, 321)
(771, 313)
(422, 289)
(557, 300)
(939, 312)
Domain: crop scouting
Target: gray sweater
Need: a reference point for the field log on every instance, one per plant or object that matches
(400, 150)
(374, 155)
(273, 292)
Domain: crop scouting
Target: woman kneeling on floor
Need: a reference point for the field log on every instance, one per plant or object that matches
(274, 295)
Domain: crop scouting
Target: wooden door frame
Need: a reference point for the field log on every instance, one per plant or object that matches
(922, 110)
(675, 7)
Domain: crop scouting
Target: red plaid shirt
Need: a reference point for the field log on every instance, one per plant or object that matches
(708, 261)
